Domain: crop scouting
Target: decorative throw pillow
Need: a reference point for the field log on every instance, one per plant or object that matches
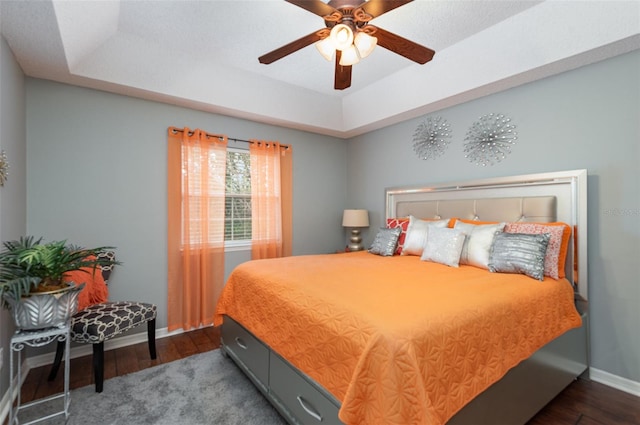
(519, 253)
(477, 244)
(95, 290)
(556, 257)
(417, 234)
(402, 223)
(385, 241)
(443, 245)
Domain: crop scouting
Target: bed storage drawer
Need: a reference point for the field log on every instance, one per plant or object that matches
(246, 348)
(306, 403)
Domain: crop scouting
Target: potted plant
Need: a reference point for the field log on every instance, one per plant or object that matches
(32, 282)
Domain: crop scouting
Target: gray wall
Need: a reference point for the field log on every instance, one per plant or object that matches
(13, 195)
(97, 176)
(587, 118)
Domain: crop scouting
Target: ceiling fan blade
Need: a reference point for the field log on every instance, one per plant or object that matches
(343, 74)
(403, 47)
(314, 6)
(294, 46)
(376, 8)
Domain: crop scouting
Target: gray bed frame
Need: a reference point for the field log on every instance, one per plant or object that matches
(525, 389)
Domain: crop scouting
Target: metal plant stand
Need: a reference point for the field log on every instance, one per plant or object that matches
(38, 338)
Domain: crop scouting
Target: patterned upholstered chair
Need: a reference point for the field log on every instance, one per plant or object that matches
(103, 321)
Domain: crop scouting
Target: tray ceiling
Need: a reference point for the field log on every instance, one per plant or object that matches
(204, 54)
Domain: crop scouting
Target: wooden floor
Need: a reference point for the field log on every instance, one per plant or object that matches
(582, 403)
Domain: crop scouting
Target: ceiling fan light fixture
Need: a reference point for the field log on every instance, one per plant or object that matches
(365, 43)
(341, 36)
(344, 21)
(326, 48)
(349, 56)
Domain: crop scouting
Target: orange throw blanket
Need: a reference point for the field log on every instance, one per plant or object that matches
(395, 339)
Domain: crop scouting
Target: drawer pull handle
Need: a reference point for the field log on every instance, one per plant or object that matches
(315, 415)
(241, 343)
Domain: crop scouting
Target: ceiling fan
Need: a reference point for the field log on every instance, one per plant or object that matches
(349, 35)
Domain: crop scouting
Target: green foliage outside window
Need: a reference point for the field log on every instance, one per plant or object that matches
(237, 226)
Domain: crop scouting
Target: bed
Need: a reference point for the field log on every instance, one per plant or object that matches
(359, 338)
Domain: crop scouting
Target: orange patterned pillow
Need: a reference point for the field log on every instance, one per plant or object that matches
(556, 256)
(403, 223)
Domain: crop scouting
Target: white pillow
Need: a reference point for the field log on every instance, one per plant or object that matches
(477, 245)
(417, 234)
(443, 246)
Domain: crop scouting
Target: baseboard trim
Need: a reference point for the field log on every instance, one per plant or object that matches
(615, 381)
(87, 350)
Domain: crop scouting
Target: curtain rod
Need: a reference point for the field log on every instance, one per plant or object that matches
(178, 130)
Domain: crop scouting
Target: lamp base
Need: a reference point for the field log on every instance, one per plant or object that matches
(355, 241)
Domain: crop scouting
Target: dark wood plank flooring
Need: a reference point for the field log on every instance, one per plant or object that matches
(582, 403)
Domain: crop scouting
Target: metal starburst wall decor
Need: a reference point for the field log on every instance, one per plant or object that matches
(431, 138)
(489, 139)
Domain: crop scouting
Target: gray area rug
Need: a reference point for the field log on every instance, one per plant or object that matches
(202, 389)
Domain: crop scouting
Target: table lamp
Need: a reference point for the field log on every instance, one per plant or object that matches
(355, 219)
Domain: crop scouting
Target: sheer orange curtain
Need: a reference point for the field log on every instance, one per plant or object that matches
(196, 195)
(271, 199)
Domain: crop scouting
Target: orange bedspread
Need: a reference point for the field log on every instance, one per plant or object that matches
(395, 339)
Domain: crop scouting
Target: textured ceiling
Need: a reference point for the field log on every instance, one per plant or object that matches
(203, 54)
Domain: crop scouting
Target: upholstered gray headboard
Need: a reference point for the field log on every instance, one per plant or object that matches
(547, 197)
(535, 208)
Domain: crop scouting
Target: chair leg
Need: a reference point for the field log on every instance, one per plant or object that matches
(151, 337)
(56, 362)
(98, 365)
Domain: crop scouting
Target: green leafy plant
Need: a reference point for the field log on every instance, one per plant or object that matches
(29, 265)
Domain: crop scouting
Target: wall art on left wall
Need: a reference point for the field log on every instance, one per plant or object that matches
(4, 167)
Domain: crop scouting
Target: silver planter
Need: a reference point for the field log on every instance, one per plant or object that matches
(45, 309)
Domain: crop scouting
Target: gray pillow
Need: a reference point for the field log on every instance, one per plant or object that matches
(519, 253)
(385, 241)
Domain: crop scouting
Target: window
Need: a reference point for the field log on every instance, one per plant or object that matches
(237, 201)
(215, 191)
(203, 173)
(237, 220)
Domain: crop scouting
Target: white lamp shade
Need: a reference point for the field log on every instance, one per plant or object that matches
(341, 36)
(349, 56)
(326, 48)
(365, 43)
(355, 218)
